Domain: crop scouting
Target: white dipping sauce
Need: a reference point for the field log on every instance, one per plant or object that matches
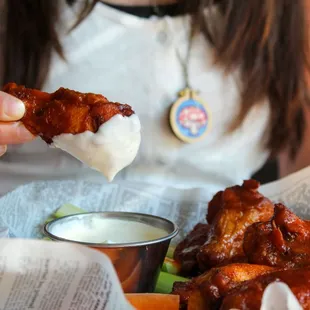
(106, 230)
(113, 147)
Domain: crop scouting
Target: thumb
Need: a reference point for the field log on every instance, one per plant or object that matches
(11, 108)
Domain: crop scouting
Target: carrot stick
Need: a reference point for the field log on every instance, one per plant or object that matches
(154, 301)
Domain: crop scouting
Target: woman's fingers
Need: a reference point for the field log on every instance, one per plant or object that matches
(14, 133)
(3, 149)
(11, 108)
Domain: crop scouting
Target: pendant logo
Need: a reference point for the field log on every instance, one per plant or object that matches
(189, 117)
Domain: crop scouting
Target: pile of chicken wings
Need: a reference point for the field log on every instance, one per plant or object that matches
(247, 243)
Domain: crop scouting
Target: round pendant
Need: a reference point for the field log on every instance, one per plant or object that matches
(190, 118)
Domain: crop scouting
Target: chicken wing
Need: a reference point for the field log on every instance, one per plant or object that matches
(102, 134)
(248, 295)
(187, 250)
(284, 241)
(230, 213)
(64, 111)
(204, 292)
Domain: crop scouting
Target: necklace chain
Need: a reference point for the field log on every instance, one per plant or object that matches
(188, 99)
(184, 61)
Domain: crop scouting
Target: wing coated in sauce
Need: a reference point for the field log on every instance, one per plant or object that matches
(187, 250)
(205, 291)
(248, 296)
(64, 111)
(284, 241)
(230, 213)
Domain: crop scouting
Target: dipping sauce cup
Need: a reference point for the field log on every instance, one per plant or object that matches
(136, 243)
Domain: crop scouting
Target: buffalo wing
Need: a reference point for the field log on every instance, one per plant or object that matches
(284, 241)
(64, 111)
(230, 213)
(204, 292)
(248, 295)
(187, 250)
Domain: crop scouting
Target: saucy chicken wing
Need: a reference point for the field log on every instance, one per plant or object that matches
(284, 241)
(187, 250)
(230, 213)
(64, 111)
(248, 295)
(104, 135)
(204, 292)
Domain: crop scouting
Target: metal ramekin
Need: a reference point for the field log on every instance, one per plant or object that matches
(138, 263)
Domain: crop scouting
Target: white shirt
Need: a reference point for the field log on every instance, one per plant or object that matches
(134, 60)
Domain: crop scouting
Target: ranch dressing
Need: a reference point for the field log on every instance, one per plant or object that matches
(106, 230)
(113, 147)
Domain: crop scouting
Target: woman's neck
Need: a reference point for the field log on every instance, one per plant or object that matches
(140, 2)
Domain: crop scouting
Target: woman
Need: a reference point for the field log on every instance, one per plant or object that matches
(247, 60)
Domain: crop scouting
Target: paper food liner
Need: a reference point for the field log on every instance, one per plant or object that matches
(25, 210)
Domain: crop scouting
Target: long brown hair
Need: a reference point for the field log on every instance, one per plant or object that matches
(266, 40)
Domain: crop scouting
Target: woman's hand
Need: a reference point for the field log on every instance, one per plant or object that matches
(12, 131)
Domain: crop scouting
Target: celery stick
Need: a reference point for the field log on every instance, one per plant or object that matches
(50, 218)
(67, 209)
(170, 252)
(165, 282)
(171, 266)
